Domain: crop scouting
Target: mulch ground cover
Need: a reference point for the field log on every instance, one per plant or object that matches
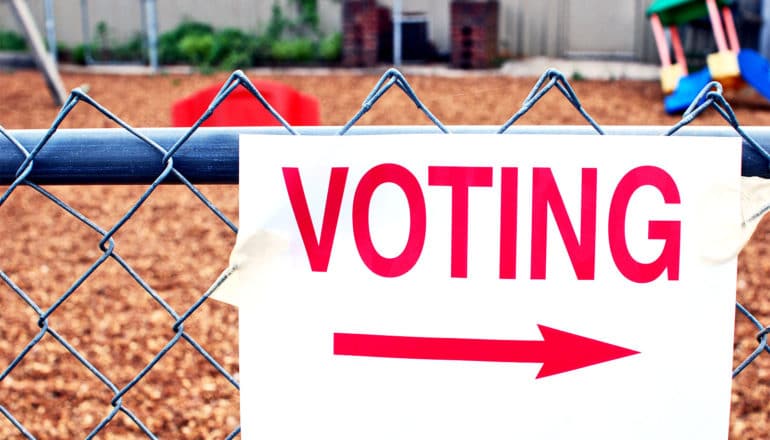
(179, 247)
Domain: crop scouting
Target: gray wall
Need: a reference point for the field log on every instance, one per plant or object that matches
(603, 28)
(577, 28)
(124, 17)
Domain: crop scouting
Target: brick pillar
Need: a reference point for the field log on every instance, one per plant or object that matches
(359, 33)
(474, 33)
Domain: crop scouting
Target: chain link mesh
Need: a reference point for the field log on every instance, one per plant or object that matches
(709, 98)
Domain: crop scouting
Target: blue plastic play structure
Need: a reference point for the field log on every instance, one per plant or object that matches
(754, 69)
(686, 91)
(730, 65)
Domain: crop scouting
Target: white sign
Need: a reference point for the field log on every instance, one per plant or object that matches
(486, 287)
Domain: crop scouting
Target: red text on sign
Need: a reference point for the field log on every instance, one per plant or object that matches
(579, 242)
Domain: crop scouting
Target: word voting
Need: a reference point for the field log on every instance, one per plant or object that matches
(580, 242)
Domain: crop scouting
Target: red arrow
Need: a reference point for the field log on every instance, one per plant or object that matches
(559, 351)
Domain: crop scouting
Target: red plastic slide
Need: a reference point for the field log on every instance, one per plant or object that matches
(242, 109)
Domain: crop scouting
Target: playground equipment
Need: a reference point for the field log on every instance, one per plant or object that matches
(44, 62)
(239, 109)
(730, 65)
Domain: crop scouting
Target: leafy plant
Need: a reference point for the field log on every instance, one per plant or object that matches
(12, 41)
(104, 47)
(199, 49)
(283, 39)
(133, 49)
(277, 24)
(234, 49)
(330, 47)
(577, 76)
(296, 49)
(168, 43)
(308, 14)
(79, 54)
(102, 35)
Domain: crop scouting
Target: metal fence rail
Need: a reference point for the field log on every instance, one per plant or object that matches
(209, 155)
(115, 156)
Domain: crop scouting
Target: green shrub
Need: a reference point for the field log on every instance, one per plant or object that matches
(79, 54)
(133, 49)
(197, 49)
(283, 40)
(168, 43)
(277, 24)
(233, 47)
(105, 47)
(330, 47)
(235, 60)
(293, 50)
(307, 20)
(577, 76)
(61, 47)
(103, 35)
(12, 41)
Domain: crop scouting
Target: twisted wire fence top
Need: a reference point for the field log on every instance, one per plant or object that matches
(709, 98)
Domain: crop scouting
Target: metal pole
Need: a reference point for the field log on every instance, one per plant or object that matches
(85, 24)
(397, 19)
(115, 156)
(50, 30)
(35, 41)
(151, 18)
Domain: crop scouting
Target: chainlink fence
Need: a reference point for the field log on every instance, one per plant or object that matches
(155, 157)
